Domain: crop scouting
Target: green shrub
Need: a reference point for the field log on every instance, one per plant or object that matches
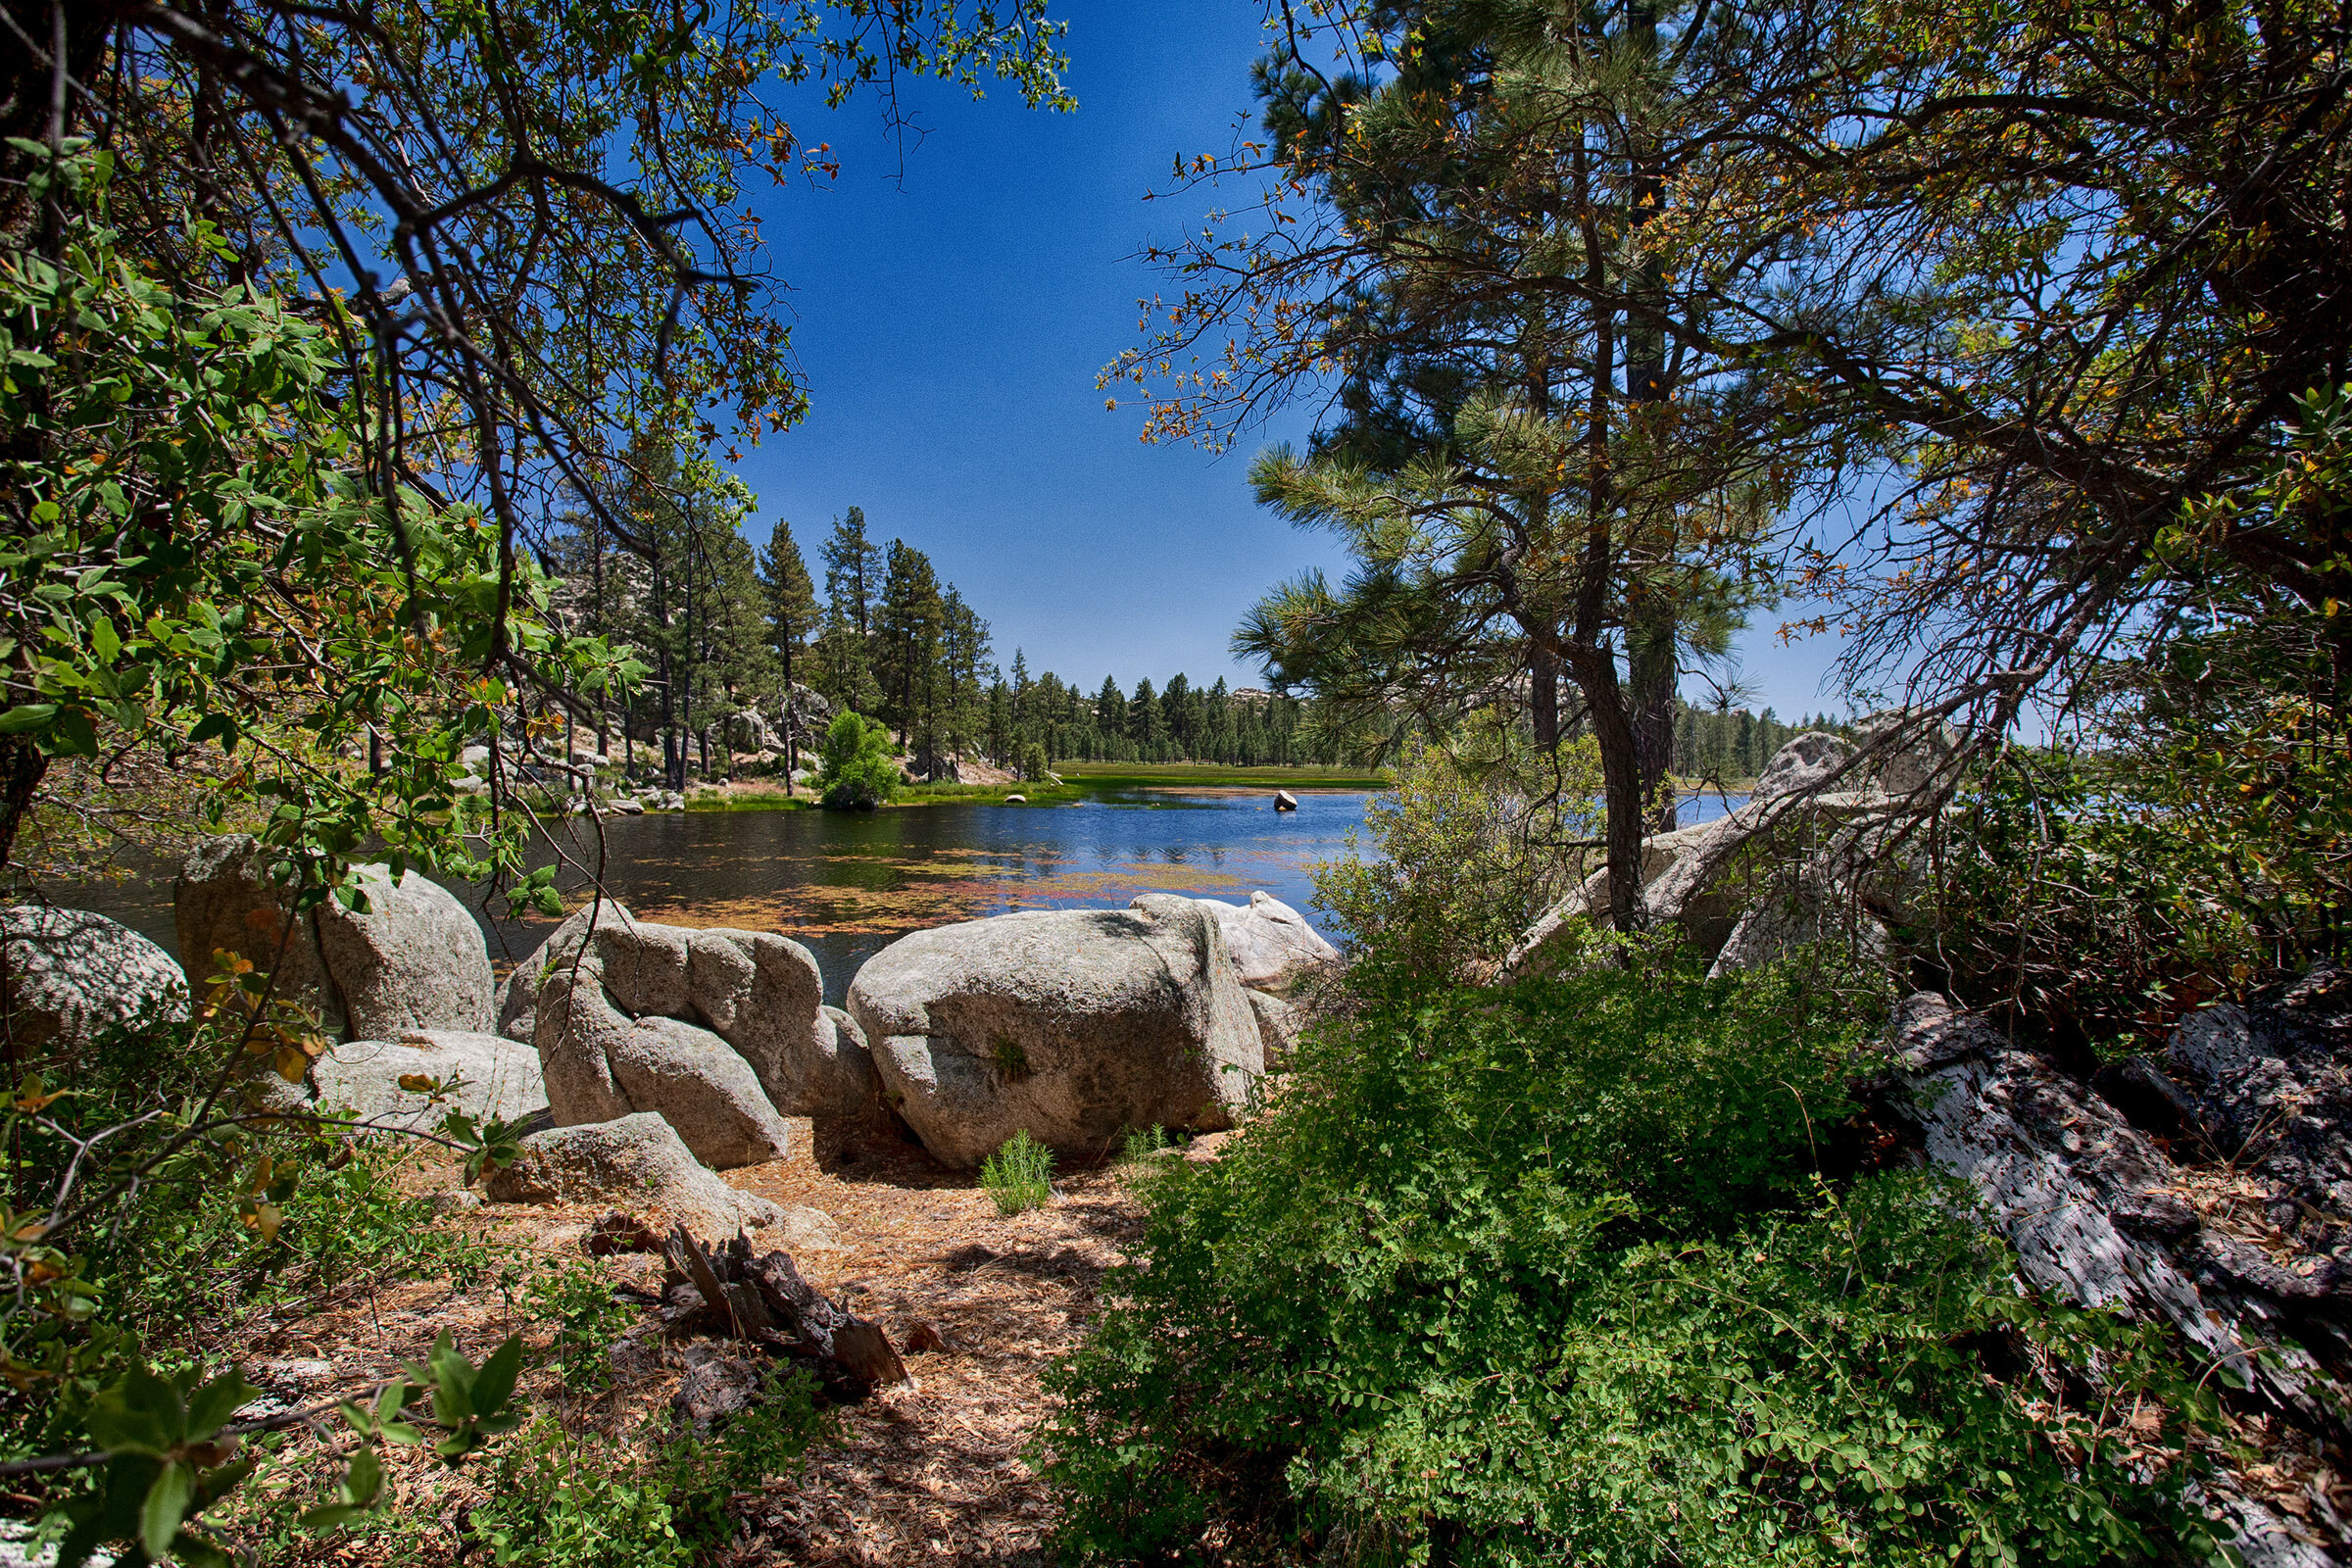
(857, 768)
(1020, 1175)
(1473, 849)
(1034, 764)
(578, 1299)
(1549, 1275)
(1139, 1145)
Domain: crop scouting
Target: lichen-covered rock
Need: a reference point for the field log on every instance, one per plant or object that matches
(224, 900)
(638, 1162)
(416, 961)
(73, 974)
(2101, 1216)
(1271, 945)
(2273, 1094)
(1073, 1025)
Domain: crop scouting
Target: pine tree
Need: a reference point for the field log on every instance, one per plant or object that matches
(853, 571)
(1111, 708)
(906, 639)
(791, 603)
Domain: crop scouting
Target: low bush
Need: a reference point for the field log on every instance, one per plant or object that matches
(1473, 850)
(1550, 1274)
(1020, 1175)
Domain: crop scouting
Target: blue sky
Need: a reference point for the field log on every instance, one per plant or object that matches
(952, 309)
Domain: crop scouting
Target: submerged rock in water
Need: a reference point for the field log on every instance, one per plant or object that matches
(1073, 1025)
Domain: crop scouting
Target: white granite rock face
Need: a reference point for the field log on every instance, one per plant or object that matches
(725, 1032)
(1074, 1025)
(415, 960)
(636, 1161)
(495, 1077)
(1271, 945)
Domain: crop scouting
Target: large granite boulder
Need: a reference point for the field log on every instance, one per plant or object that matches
(1074, 1025)
(1271, 945)
(73, 975)
(1278, 1025)
(413, 960)
(493, 1077)
(723, 1032)
(1806, 762)
(637, 1161)
(224, 900)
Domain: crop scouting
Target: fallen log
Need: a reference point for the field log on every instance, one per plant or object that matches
(761, 1300)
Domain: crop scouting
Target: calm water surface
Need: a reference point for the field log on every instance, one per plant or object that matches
(847, 884)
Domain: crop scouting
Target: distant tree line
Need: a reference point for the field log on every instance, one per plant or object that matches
(731, 631)
(1727, 745)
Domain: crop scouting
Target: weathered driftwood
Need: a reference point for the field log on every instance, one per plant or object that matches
(763, 1299)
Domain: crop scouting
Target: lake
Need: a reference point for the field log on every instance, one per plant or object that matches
(847, 884)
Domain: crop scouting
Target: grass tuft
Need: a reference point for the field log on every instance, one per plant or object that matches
(1020, 1175)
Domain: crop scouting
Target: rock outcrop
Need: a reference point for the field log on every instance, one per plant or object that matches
(1075, 1025)
(722, 1032)
(1805, 762)
(1797, 862)
(1278, 1025)
(73, 975)
(2101, 1214)
(494, 1077)
(415, 960)
(638, 1160)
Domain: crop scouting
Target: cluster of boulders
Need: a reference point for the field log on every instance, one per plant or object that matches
(652, 1056)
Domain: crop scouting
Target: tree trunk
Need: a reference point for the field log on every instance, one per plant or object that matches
(22, 764)
(1651, 632)
(1594, 671)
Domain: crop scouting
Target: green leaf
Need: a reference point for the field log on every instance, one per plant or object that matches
(166, 1505)
(140, 1415)
(496, 1381)
(211, 1406)
(28, 716)
(365, 1480)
